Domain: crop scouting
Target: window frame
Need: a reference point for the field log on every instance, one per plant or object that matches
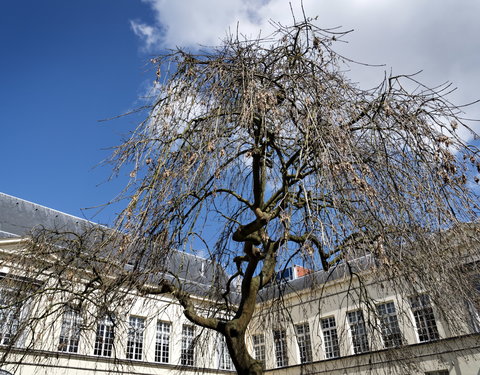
(358, 332)
(104, 337)
(473, 307)
(70, 331)
(330, 336)
(162, 341)
(15, 296)
(281, 347)
(423, 314)
(259, 346)
(304, 341)
(10, 315)
(224, 360)
(389, 325)
(135, 338)
(474, 317)
(187, 353)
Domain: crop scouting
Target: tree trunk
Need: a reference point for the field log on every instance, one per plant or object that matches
(242, 360)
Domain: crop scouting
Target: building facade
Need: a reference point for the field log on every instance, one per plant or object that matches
(333, 329)
(306, 322)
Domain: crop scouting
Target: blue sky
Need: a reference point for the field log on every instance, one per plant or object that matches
(67, 64)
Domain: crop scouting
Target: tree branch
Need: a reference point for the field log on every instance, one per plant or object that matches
(166, 287)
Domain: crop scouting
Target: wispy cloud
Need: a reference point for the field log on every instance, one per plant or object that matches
(150, 35)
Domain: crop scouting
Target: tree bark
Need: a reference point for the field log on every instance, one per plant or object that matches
(244, 363)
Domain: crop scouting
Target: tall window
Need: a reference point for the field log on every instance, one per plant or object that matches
(9, 316)
(259, 346)
(136, 330)
(187, 355)
(330, 338)
(224, 360)
(162, 343)
(304, 342)
(474, 317)
(358, 331)
(391, 334)
(474, 308)
(104, 337)
(70, 331)
(281, 352)
(424, 318)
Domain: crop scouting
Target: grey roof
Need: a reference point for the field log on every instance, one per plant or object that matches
(197, 275)
(19, 218)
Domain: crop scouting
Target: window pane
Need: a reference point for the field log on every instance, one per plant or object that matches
(162, 344)
(104, 337)
(188, 345)
(281, 353)
(391, 334)
(474, 307)
(358, 331)
(135, 338)
(70, 331)
(224, 360)
(10, 311)
(330, 338)
(424, 318)
(304, 342)
(474, 317)
(259, 346)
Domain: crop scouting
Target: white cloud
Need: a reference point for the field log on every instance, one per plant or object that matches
(440, 37)
(149, 34)
(190, 23)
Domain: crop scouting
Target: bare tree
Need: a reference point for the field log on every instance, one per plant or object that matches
(264, 153)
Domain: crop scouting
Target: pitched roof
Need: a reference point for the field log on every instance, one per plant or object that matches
(18, 218)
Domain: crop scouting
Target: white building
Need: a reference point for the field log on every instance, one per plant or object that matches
(318, 324)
